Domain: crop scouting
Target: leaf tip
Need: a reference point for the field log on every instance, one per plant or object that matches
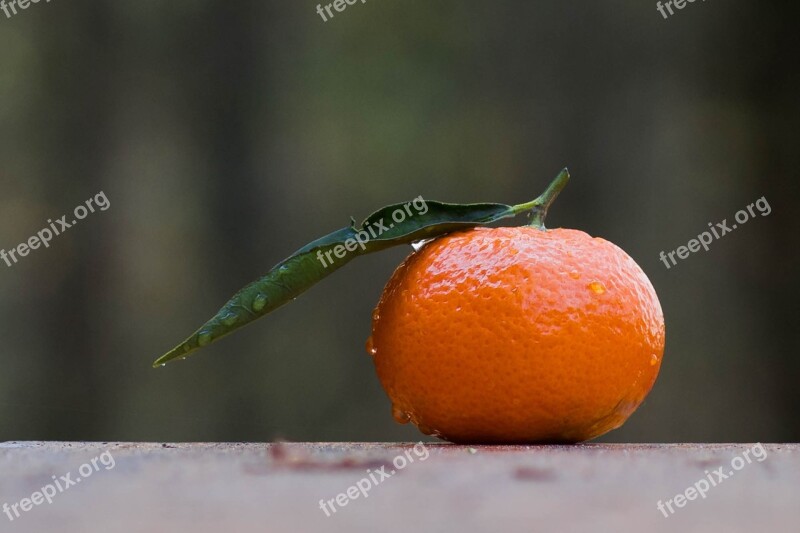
(163, 360)
(180, 351)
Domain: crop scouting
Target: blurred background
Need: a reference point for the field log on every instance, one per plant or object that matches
(226, 135)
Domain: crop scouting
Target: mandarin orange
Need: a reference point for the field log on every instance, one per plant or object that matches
(517, 335)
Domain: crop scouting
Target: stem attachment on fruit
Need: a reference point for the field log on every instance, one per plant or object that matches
(539, 207)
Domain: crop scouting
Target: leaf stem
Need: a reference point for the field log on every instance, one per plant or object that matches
(539, 207)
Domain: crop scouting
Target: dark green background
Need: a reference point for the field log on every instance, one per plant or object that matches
(228, 134)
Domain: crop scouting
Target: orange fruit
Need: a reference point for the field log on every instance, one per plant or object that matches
(517, 334)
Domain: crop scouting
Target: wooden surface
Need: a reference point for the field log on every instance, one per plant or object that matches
(277, 488)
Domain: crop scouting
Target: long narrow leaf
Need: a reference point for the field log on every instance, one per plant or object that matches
(389, 226)
(317, 260)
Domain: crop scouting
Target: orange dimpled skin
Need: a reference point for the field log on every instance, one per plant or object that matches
(517, 334)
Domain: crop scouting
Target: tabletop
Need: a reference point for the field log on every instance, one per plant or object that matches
(430, 487)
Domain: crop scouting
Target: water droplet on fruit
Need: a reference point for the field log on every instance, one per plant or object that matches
(204, 337)
(371, 349)
(574, 274)
(597, 287)
(259, 302)
(376, 315)
(400, 416)
(417, 246)
(653, 360)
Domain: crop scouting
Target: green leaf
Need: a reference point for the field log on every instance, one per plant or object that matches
(389, 226)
